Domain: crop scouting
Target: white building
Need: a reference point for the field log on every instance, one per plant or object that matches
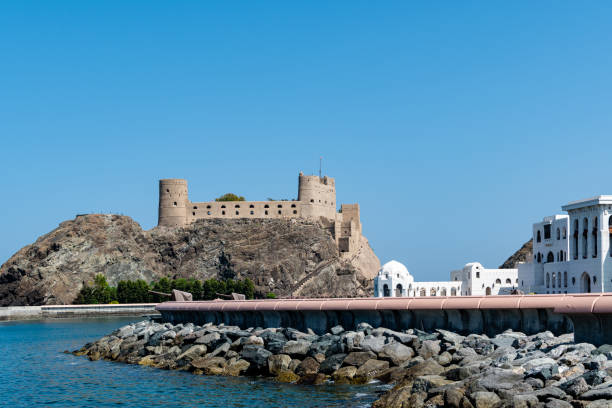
(571, 253)
(394, 280)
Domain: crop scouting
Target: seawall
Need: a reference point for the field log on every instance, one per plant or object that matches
(588, 315)
(59, 311)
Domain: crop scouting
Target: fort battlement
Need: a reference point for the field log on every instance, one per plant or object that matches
(316, 200)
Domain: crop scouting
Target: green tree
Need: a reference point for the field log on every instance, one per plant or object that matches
(230, 197)
(270, 295)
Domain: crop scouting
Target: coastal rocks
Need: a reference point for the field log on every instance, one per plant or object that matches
(424, 369)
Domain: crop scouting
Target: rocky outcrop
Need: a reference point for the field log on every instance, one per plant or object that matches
(288, 257)
(524, 254)
(425, 369)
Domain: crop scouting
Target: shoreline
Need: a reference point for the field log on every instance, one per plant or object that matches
(438, 368)
(17, 313)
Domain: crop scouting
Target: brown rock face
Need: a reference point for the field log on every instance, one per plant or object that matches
(288, 257)
(522, 255)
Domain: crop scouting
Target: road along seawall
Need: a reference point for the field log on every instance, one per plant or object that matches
(62, 311)
(589, 316)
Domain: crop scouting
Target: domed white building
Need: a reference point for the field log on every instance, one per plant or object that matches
(394, 280)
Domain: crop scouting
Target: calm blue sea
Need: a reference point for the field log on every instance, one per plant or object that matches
(34, 372)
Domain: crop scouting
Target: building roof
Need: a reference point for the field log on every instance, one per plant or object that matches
(394, 268)
(587, 202)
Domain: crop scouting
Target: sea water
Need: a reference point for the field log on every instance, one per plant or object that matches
(35, 372)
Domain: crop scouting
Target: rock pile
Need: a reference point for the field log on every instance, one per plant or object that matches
(440, 369)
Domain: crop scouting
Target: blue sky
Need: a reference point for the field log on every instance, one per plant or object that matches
(455, 125)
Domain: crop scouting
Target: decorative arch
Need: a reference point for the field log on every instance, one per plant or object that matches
(498, 281)
(550, 257)
(585, 283)
(443, 292)
(453, 292)
(488, 291)
(422, 292)
(386, 291)
(432, 292)
(509, 281)
(399, 290)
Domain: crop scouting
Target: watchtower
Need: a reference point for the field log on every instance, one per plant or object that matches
(317, 196)
(173, 201)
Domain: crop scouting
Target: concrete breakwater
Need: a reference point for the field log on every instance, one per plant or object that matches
(53, 311)
(589, 316)
(437, 368)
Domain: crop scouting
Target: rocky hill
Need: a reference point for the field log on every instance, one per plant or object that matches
(524, 254)
(288, 257)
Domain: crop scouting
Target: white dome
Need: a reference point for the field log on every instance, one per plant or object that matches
(394, 268)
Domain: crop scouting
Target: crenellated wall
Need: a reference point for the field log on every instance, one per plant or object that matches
(316, 200)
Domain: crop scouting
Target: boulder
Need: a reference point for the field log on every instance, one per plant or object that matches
(257, 356)
(278, 363)
(336, 330)
(396, 353)
(287, 376)
(308, 366)
(373, 343)
(426, 382)
(370, 369)
(209, 339)
(312, 379)
(237, 367)
(210, 366)
(485, 399)
(193, 352)
(429, 348)
(557, 403)
(296, 348)
(344, 375)
(332, 363)
(597, 394)
(357, 358)
(525, 401)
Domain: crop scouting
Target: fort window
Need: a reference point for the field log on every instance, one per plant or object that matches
(477, 275)
(280, 212)
(453, 292)
(223, 206)
(279, 206)
(266, 212)
(208, 206)
(547, 231)
(237, 206)
(432, 292)
(292, 205)
(251, 206)
(195, 207)
(175, 204)
(539, 237)
(193, 213)
(311, 200)
(222, 212)
(554, 280)
(208, 212)
(539, 257)
(252, 212)
(237, 212)
(266, 206)
(295, 211)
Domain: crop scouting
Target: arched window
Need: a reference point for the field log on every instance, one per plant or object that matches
(251, 206)
(498, 281)
(266, 206)
(585, 238)
(539, 237)
(559, 280)
(550, 257)
(292, 205)
(422, 292)
(573, 281)
(509, 281)
(237, 206)
(488, 291)
(453, 292)
(565, 279)
(208, 207)
(399, 290)
(585, 283)
(386, 292)
(558, 234)
(539, 257)
(443, 292)
(432, 292)
(223, 206)
(564, 233)
(594, 239)
(547, 280)
(554, 280)
(575, 239)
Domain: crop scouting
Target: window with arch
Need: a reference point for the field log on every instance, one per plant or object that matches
(280, 212)
(509, 281)
(453, 292)
(558, 234)
(575, 235)
(594, 238)
(195, 207)
(237, 212)
(280, 206)
(573, 281)
(539, 237)
(386, 291)
(539, 257)
(559, 280)
(208, 207)
(422, 292)
(550, 257)
(311, 200)
(547, 280)
(223, 206)
(193, 213)
(585, 238)
(565, 279)
(554, 280)
(443, 292)
(237, 206)
(266, 212)
(222, 212)
(175, 204)
(432, 292)
(266, 206)
(252, 212)
(251, 206)
(208, 212)
(295, 211)
(498, 281)
(292, 205)
(564, 233)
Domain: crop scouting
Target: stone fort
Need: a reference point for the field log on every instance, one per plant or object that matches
(316, 200)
